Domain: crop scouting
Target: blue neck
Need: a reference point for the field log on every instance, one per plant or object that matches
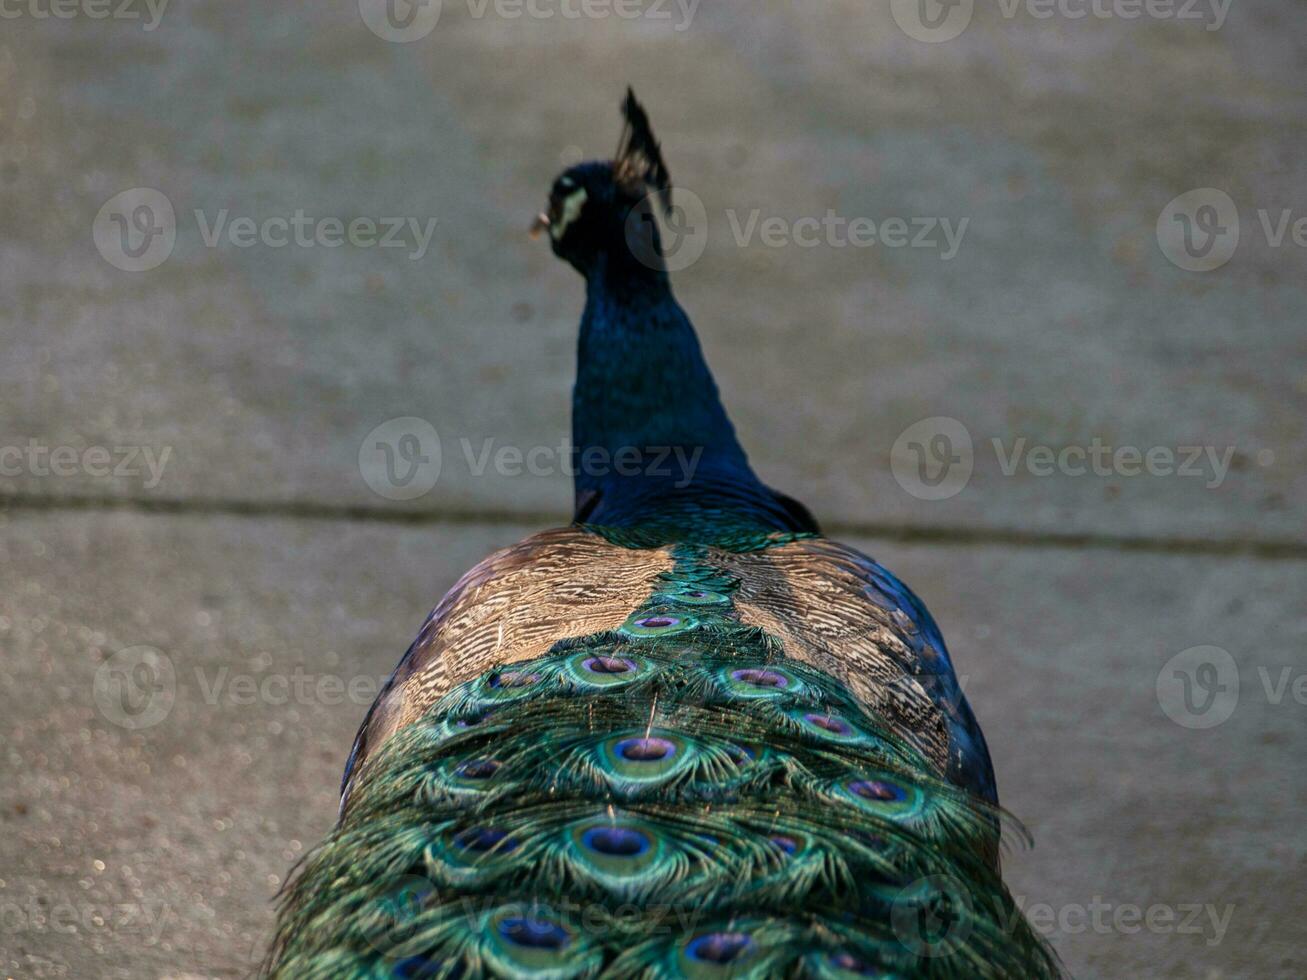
(651, 440)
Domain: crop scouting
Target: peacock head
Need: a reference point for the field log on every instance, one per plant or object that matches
(603, 213)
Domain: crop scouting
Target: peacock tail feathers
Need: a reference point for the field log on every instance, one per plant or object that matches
(674, 797)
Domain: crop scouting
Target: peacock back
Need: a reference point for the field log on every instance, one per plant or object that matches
(745, 759)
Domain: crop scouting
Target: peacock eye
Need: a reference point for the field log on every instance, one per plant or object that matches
(785, 843)
(720, 948)
(534, 933)
(565, 204)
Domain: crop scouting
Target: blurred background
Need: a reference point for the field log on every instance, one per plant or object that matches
(1010, 292)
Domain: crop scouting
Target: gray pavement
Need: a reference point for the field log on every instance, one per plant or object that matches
(258, 554)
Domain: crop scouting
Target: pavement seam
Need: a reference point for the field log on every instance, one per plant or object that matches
(1267, 549)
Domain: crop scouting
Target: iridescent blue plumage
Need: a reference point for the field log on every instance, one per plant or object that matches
(688, 737)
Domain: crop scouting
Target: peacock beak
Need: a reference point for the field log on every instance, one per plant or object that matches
(540, 224)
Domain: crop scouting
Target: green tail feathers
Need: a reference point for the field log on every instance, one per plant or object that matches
(674, 798)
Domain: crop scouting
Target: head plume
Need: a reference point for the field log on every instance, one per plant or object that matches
(638, 164)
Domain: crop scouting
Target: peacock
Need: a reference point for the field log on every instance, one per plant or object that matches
(685, 736)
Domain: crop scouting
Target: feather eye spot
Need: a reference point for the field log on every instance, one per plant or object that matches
(529, 932)
(658, 624)
(501, 686)
(608, 665)
(878, 790)
(478, 768)
(591, 670)
(849, 963)
(634, 762)
(425, 968)
(758, 681)
(760, 677)
(512, 679)
(697, 597)
(828, 723)
(621, 842)
(784, 843)
(720, 948)
(652, 749)
(888, 795)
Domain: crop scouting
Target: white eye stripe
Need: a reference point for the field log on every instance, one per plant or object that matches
(572, 205)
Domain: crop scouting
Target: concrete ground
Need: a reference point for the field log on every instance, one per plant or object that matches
(202, 582)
